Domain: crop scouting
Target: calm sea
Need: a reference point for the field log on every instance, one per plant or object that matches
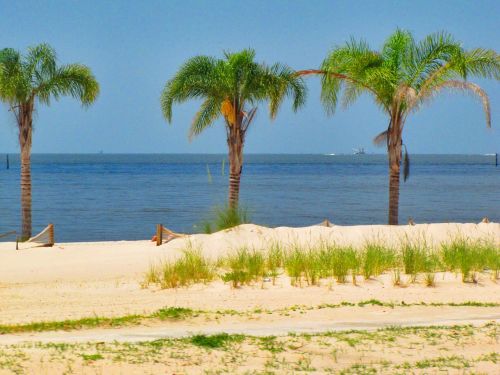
(112, 197)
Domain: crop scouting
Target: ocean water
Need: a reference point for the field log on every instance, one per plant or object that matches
(97, 197)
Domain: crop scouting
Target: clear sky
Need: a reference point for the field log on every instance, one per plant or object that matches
(134, 47)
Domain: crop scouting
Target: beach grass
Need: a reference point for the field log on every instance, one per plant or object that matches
(191, 268)
(275, 260)
(376, 259)
(225, 217)
(466, 257)
(244, 267)
(308, 264)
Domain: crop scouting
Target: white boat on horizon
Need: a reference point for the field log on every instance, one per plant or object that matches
(359, 151)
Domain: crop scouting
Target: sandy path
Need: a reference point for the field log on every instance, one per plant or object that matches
(306, 321)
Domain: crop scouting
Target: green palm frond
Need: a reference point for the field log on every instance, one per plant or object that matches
(14, 81)
(351, 70)
(483, 63)
(430, 56)
(208, 113)
(396, 49)
(40, 63)
(279, 82)
(199, 77)
(73, 80)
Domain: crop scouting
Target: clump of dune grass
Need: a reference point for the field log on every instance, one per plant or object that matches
(464, 256)
(396, 277)
(245, 267)
(338, 262)
(491, 258)
(377, 258)
(189, 269)
(294, 265)
(430, 266)
(414, 255)
(224, 218)
(152, 276)
(303, 264)
(274, 260)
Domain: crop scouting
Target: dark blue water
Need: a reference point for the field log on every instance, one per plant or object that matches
(111, 197)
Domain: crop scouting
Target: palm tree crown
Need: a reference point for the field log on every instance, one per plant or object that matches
(232, 88)
(405, 74)
(227, 86)
(401, 77)
(36, 75)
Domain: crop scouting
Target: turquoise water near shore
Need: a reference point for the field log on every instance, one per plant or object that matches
(91, 197)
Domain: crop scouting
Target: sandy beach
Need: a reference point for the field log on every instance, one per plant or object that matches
(72, 280)
(81, 280)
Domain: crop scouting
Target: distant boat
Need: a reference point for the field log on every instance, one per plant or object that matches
(330, 154)
(359, 151)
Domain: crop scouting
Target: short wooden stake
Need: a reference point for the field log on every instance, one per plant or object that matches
(51, 235)
(159, 234)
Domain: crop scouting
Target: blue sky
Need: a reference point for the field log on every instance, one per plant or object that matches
(134, 47)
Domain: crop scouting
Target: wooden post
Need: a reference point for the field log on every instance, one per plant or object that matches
(159, 234)
(51, 235)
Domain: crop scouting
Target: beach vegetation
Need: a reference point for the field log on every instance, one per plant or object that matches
(464, 256)
(402, 77)
(245, 267)
(216, 341)
(308, 264)
(377, 258)
(179, 313)
(339, 262)
(303, 264)
(190, 268)
(232, 88)
(275, 258)
(414, 255)
(226, 217)
(28, 81)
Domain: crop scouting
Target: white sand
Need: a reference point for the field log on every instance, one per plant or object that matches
(88, 261)
(73, 280)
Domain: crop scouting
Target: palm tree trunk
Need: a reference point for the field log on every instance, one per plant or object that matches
(394, 196)
(394, 149)
(235, 144)
(25, 122)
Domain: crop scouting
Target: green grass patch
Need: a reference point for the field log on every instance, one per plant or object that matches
(221, 340)
(244, 267)
(92, 357)
(192, 267)
(377, 258)
(224, 218)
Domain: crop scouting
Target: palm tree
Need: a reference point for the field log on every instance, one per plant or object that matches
(232, 88)
(401, 78)
(35, 79)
